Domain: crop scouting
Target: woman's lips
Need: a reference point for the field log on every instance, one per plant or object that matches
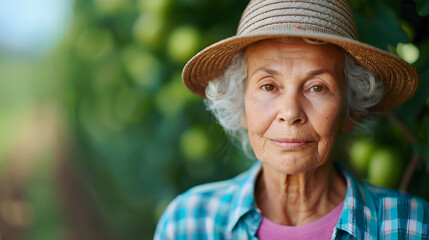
(291, 144)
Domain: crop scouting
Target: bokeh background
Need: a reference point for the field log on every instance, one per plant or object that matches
(98, 134)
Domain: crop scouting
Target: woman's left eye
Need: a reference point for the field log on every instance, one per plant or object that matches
(317, 89)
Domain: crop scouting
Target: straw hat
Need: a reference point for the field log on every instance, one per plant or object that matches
(331, 21)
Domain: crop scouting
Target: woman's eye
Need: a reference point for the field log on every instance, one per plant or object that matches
(269, 87)
(317, 89)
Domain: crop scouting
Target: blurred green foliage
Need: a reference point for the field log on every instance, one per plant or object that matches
(138, 137)
(145, 138)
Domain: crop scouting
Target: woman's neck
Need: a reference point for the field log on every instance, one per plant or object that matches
(299, 199)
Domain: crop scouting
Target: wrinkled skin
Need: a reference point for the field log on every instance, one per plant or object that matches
(294, 109)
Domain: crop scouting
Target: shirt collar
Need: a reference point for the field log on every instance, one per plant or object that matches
(358, 217)
(359, 214)
(244, 200)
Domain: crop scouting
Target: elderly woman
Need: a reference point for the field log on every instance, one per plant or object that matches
(293, 78)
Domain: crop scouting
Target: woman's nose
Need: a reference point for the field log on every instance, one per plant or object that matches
(291, 109)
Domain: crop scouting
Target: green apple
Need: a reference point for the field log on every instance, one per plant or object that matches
(360, 153)
(154, 6)
(385, 168)
(195, 144)
(408, 51)
(173, 97)
(109, 6)
(149, 29)
(183, 43)
(144, 67)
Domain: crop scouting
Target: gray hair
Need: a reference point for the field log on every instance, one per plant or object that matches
(225, 95)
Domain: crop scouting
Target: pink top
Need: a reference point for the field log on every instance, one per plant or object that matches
(322, 228)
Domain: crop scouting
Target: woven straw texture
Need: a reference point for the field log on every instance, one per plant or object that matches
(330, 21)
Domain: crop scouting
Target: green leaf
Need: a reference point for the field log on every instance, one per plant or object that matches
(422, 7)
(423, 61)
(410, 110)
(393, 4)
(380, 26)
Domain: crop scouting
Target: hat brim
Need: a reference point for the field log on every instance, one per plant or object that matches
(399, 78)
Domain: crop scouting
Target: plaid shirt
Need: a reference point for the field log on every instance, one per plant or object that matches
(227, 210)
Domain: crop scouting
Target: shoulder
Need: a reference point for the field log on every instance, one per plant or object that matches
(381, 199)
(203, 209)
(400, 213)
(386, 197)
(210, 197)
(204, 199)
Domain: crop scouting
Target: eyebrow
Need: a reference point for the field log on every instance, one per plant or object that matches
(318, 72)
(267, 70)
(309, 74)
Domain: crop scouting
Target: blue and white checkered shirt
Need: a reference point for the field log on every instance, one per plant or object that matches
(227, 210)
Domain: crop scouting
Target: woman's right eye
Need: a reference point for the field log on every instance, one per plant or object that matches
(269, 87)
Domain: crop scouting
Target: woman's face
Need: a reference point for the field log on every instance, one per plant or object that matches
(294, 103)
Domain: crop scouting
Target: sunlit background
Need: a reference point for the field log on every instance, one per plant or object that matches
(98, 133)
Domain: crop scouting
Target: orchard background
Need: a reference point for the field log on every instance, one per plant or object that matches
(98, 134)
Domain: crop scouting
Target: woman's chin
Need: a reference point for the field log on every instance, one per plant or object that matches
(290, 165)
